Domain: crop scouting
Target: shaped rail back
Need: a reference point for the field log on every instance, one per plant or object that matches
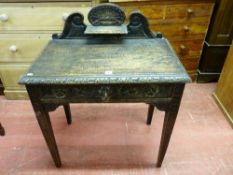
(107, 20)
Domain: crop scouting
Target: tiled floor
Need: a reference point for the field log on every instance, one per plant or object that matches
(113, 139)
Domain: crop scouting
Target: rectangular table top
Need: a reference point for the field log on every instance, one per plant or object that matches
(103, 61)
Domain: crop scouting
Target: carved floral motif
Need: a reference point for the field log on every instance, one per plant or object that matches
(108, 92)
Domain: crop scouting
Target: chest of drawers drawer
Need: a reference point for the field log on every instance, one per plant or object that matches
(10, 75)
(16, 94)
(21, 48)
(184, 23)
(152, 12)
(190, 63)
(182, 29)
(25, 29)
(168, 10)
(107, 93)
(187, 48)
(188, 10)
(39, 16)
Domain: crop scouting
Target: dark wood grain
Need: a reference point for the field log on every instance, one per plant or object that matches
(68, 113)
(43, 119)
(171, 111)
(150, 114)
(128, 61)
(138, 68)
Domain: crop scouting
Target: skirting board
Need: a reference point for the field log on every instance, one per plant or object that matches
(207, 77)
(223, 109)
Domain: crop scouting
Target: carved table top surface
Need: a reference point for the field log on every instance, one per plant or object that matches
(104, 61)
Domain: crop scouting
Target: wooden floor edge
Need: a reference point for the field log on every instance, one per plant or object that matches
(223, 109)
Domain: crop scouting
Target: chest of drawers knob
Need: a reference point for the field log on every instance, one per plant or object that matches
(3, 17)
(189, 11)
(186, 28)
(65, 16)
(13, 48)
(182, 49)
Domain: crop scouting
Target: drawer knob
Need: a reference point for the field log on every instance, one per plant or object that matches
(190, 11)
(186, 28)
(3, 17)
(13, 48)
(182, 48)
(59, 93)
(104, 93)
(65, 16)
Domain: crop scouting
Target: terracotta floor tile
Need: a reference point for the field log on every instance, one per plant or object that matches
(114, 139)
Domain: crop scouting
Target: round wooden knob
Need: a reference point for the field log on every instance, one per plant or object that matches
(182, 48)
(186, 28)
(13, 48)
(65, 16)
(3, 17)
(190, 11)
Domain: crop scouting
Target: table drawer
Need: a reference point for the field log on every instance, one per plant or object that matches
(40, 16)
(107, 93)
(21, 48)
(10, 75)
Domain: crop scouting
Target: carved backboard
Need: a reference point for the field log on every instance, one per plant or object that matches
(106, 19)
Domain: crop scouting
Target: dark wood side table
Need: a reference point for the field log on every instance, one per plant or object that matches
(106, 64)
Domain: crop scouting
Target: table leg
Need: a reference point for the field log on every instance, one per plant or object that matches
(171, 111)
(68, 113)
(150, 114)
(44, 122)
(2, 130)
(168, 125)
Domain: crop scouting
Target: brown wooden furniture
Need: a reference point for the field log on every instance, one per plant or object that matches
(224, 91)
(217, 42)
(183, 22)
(135, 66)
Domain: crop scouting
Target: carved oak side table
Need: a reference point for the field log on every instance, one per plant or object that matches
(106, 62)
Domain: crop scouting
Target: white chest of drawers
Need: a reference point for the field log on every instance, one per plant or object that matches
(25, 29)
